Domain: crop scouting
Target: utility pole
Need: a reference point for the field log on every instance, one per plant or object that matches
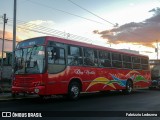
(14, 36)
(157, 49)
(4, 22)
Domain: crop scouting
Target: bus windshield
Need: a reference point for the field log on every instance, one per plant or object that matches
(30, 60)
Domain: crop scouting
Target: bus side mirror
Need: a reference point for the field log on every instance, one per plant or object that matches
(56, 53)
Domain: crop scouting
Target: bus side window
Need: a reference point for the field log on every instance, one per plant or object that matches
(56, 55)
(136, 63)
(116, 60)
(144, 63)
(90, 57)
(61, 59)
(56, 59)
(74, 55)
(50, 52)
(104, 59)
(127, 62)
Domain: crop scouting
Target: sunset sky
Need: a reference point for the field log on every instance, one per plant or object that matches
(138, 21)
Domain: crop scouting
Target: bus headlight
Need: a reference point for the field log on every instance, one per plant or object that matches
(36, 90)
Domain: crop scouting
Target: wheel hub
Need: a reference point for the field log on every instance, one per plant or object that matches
(75, 91)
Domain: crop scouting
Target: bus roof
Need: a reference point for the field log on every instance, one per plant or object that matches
(78, 43)
(83, 44)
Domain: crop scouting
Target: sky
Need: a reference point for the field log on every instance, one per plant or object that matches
(138, 22)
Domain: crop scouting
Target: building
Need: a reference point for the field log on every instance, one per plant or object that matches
(7, 66)
(155, 68)
(7, 58)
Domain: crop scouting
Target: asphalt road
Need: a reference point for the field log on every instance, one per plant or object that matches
(90, 104)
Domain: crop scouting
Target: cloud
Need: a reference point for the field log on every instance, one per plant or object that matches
(25, 31)
(7, 46)
(38, 23)
(7, 43)
(9, 36)
(145, 33)
(35, 28)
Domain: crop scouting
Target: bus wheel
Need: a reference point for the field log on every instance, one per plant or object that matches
(74, 90)
(129, 87)
(150, 88)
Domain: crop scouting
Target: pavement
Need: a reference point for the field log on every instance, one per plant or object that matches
(4, 96)
(5, 92)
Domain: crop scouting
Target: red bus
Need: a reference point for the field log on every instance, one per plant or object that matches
(51, 66)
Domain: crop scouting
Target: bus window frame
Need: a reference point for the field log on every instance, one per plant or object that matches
(108, 59)
(82, 50)
(96, 64)
(68, 54)
(65, 62)
(144, 64)
(136, 63)
(126, 61)
(118, 61)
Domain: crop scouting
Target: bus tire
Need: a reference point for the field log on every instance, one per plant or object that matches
(74, 90)
(150, 88)
(129, 87)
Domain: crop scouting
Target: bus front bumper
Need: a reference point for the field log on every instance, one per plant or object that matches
(40, 90)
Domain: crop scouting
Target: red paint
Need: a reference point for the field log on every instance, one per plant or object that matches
(52, 84)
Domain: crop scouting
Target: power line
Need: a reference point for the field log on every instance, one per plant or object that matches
(47, 31)
(31, 25)
(93, 13)
(37, 3)
(61, 34)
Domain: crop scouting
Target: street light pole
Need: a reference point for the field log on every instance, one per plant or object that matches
(14, 35)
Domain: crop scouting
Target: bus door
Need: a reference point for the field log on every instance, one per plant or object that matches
(56, 65)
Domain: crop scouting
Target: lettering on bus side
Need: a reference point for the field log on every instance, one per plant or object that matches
(79, 72)
(89, 72)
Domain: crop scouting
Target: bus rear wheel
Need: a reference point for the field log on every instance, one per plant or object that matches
(74, 90)
(129, 87)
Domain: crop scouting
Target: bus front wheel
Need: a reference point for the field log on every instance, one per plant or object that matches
(74, 90)
(129, 87)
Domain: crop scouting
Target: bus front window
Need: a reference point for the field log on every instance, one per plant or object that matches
(29, 60)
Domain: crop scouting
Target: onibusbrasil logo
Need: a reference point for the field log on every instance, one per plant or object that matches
(21, 114)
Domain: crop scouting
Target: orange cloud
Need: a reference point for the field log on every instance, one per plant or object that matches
(144, 33)
(7, 43)
(9, 35)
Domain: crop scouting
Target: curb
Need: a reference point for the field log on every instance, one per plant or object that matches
(8, 96)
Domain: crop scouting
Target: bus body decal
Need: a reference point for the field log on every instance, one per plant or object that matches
(139, 78)
(134, 75)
